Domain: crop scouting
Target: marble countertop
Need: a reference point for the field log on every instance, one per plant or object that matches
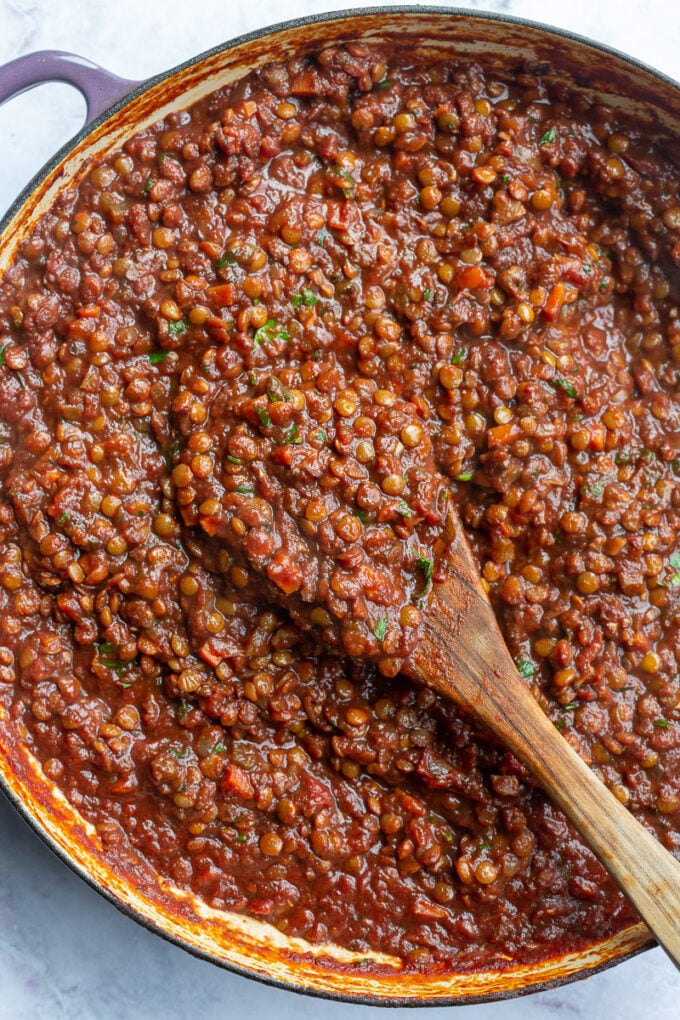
(65, 953)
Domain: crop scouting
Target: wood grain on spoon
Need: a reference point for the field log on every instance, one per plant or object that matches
(463, 656)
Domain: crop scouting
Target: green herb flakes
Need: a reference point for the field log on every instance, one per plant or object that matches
(380, 628)
(270, 331)
(306, 297)
(228, 259)
(425, 564)
(178, 327)
(565, 385)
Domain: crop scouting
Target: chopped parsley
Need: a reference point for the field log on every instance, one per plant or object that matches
(270, 331)
(661, 723)
(560, 724)
(180, 753)
(292, 436)
(2, 355)
(459, 356)
(484, 846)
(228, 259)
(321, 239)
(64, 517)
(548, 137)
(594, 490)
(465, 476)
(233, 460)
(321, 435)
(148, 185)
(384, 84)
(156, 357)
(361, 515)
(264, 416)
(564, 385)
(675, 564)
(428, 294)
(571, 707)
(587, 269)
(177, 328)
(404, 509)
(604, 284)
(425, 564)
(108, 656)
(380, 628)
(306, 297)
(505, 178)
(245, 490)
(345, 176)
(276, 391)
(525, 669)
(219, 748)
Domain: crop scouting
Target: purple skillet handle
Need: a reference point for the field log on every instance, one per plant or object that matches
(99, 87)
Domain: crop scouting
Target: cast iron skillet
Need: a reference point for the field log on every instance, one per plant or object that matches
(118, 109)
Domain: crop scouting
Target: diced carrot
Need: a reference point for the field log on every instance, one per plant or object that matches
(89, 312)
(554, 302)
(211, 249)
(221, 294)
(500, 435)
(474, 278)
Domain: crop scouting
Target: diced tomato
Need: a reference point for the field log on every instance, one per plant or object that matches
(237, 781)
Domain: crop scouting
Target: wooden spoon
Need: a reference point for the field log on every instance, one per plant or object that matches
(463, 656)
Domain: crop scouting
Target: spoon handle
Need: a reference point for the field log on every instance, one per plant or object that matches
(463, 655)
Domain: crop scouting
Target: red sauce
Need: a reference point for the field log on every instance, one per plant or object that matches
(247, 365)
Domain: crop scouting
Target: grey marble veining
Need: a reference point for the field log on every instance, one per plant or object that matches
(66, 954)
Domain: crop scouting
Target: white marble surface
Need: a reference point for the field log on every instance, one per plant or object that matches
(66, 954)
